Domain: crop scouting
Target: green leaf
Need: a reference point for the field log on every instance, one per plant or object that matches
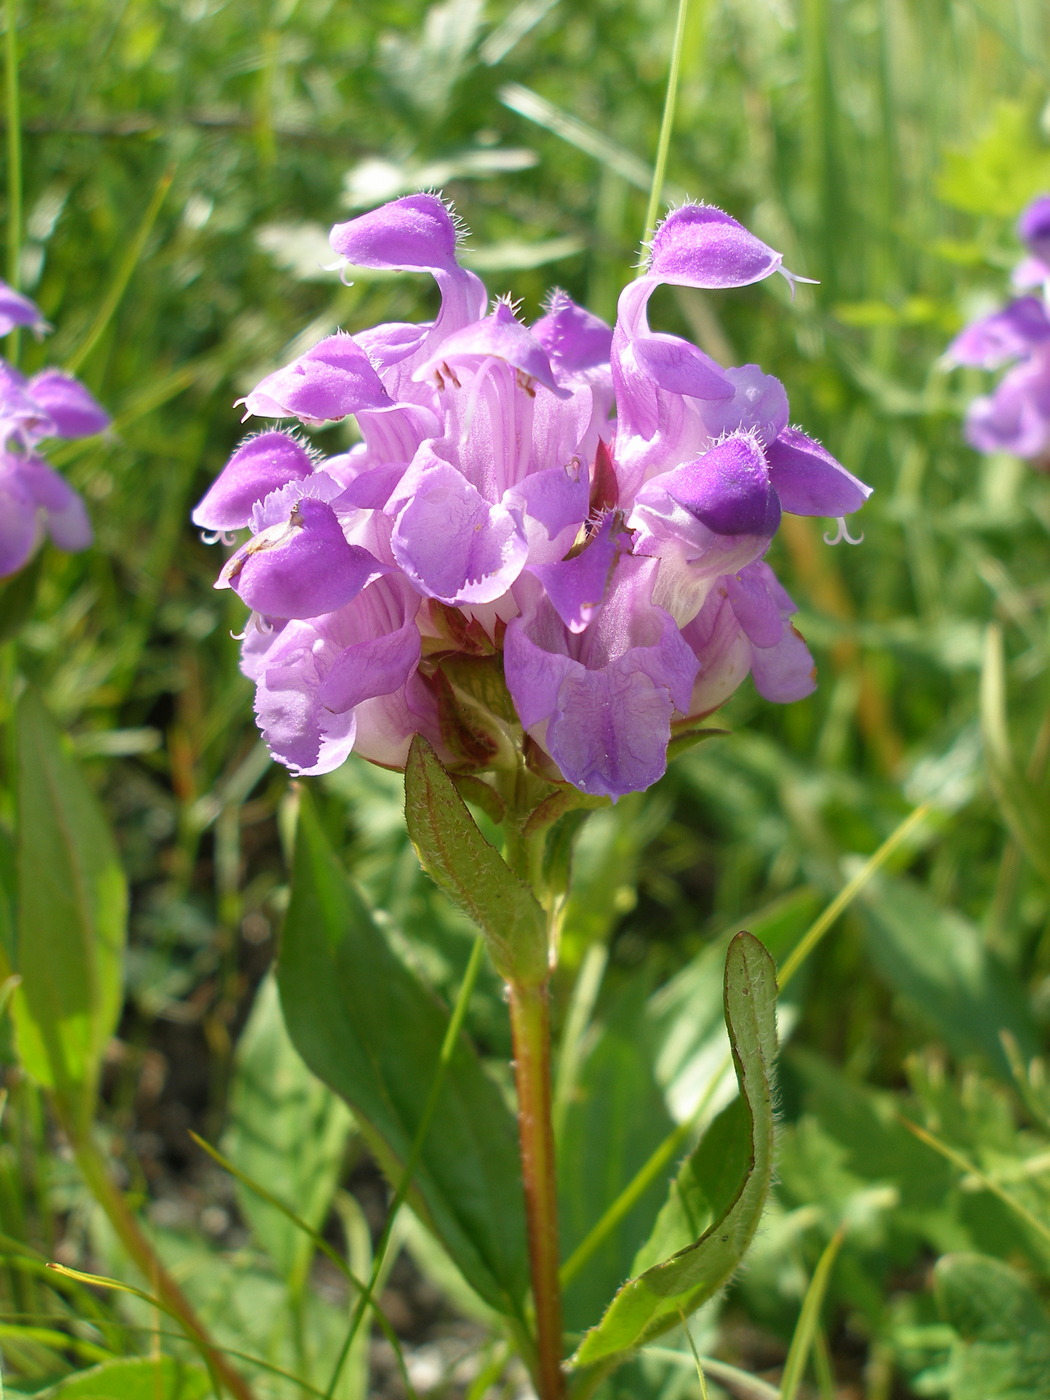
(162, 1379)
(1003, 1346)
(373, 1033)
(286, 1129)
(472, 872)
(71, 916)
(938, 961)
(659, 1297)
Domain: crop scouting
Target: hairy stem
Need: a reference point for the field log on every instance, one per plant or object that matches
(530, 1023)
(131, 1235)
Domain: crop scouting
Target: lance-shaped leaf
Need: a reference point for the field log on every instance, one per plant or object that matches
(472, 872)
(71, 917)
(660, 1296)
(366, 1026)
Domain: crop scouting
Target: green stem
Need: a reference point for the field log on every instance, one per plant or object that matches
(95, 1172)
(530, 1024)
(663, 144)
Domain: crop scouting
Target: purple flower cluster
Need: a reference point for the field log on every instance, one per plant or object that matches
(34, 499)
(501, 564)
(1016, 417)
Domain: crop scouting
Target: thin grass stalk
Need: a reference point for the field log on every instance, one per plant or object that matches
(663, 144)
(14, 162)
(448, 1047)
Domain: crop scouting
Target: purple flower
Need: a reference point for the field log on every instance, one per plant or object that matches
(34, 500)
(1015, 416)
(567, 515)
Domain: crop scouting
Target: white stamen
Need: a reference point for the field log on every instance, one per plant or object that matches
(842, 534)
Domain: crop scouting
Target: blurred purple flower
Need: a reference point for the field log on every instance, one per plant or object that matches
(34, 499)
(1015, 416)
(497, 531)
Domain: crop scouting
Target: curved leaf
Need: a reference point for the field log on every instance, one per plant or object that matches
(658, 1298)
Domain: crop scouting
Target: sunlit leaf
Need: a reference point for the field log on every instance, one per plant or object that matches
(658, 1298)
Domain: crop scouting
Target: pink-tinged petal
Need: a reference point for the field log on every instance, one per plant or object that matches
(500, 336)
(297, 728)
(260, 465)
(557, 498)
(576, 587)
(333, 379)
(1034, 227)
(809, 481)
(700, 246)
(20, 528)
(759, 405)
(722, 649)
(680, 368)
(65, 513)
(274, 509)
(1031, 272)
(1004, 335)
(387, 723)
(755, 606)
(784, 672)
(74, 412)
(451, 542)
(370, 668)
(300, 569)
(17, 310)
(416, 232)
(1016, 418)
(372, 489)
(728, 489)
(610, 733)
(21, 415)
(574, 339)
(600, 702)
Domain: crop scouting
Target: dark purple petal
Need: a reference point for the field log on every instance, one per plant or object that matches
(74, 412)
(17, 310)
(759, 405)
(808, 479)
(333, 379)
(260, 465)
(414, 232)
(1004, 335)
(301, 569)
(728, 489)
(700, 246)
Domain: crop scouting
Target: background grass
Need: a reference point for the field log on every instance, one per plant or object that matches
(886, 146)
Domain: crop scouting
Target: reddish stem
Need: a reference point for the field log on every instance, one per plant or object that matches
(530, 1023)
